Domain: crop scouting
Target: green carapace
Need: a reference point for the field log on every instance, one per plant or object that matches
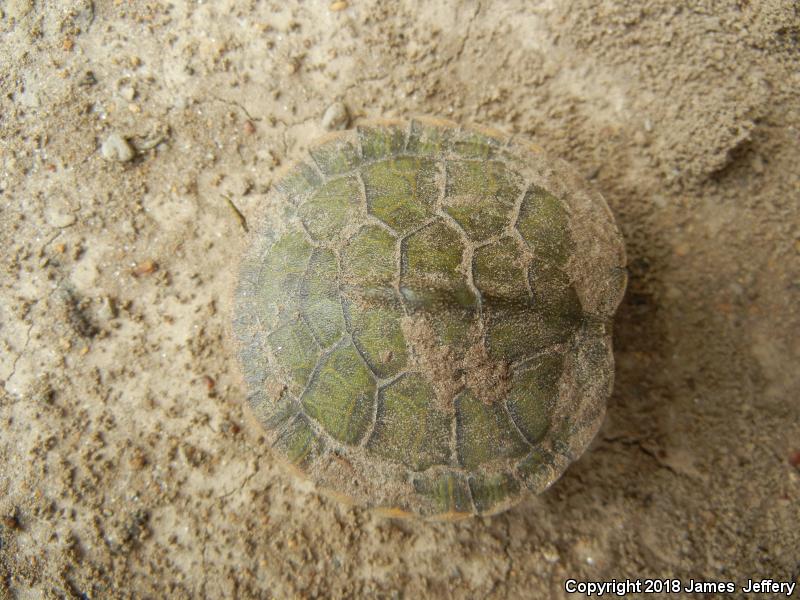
(423, 317)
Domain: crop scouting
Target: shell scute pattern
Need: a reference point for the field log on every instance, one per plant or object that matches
(419, 433)
(485, 432)
(401, 192)
(331, 208)
(341, 394)
(480, 195)
(430, 272)
(417, 312)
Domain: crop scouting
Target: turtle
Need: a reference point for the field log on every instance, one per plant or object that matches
(423, 317)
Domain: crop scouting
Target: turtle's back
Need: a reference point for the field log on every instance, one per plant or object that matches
(424, 326)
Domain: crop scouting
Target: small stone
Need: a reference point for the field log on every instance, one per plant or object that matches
(339, 6)
(682, 249)
(117, 148)
(146, 267)
(138, 459)
(88, 79)
(758, 164)
(10, 522)
(59, 213)
(335, 117)
(128, 92)
(550, 554)
(108, 309)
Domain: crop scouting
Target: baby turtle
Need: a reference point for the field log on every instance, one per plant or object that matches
(423, 317)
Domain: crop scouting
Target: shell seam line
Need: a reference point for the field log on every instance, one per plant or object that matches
(516, 234)
(516, 425)
(317, 367)
(349, 329)
(323, 177)
(362, 186)
(403, 243)
(409, 128)
(454, 432)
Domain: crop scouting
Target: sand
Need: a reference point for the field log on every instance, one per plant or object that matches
(128, 468)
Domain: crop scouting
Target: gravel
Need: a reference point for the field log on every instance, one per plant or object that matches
(335, 117)
(117, 148)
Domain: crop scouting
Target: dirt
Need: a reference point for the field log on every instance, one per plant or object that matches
(450, 373)
(438, 361)
(128, 467)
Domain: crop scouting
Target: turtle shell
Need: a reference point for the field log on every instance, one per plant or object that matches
(423, 317)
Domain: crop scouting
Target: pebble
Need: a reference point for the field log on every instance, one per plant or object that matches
(108, 309)
(10, 522)
(550, 554)
(335, 117)
(146, 267)
(127, 91)
(117, 148)
(757, 163)
(59, 213)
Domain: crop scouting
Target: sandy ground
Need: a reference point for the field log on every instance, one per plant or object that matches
(127, 466)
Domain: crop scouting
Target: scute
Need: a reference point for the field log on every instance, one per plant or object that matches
(381, 140)
(319, 297)
(296, 350)
(298, 442)
(534, 395)
(341, 395)
(431, 268)
(283, 267)
(556, 300)
(480, 195)
(544, 224)
(273, 413)
(490, 490)
(371, 304)
(368, 262)
(471, 143)
(401, 191)
(378, 335)
(429, 137)
(423, 320)
(410, 428)
(298, 182)
(331, 207)
(514, 331)
(485, 432)
(336, 156)
(448, 493)
(499, 271)
(537, 469)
